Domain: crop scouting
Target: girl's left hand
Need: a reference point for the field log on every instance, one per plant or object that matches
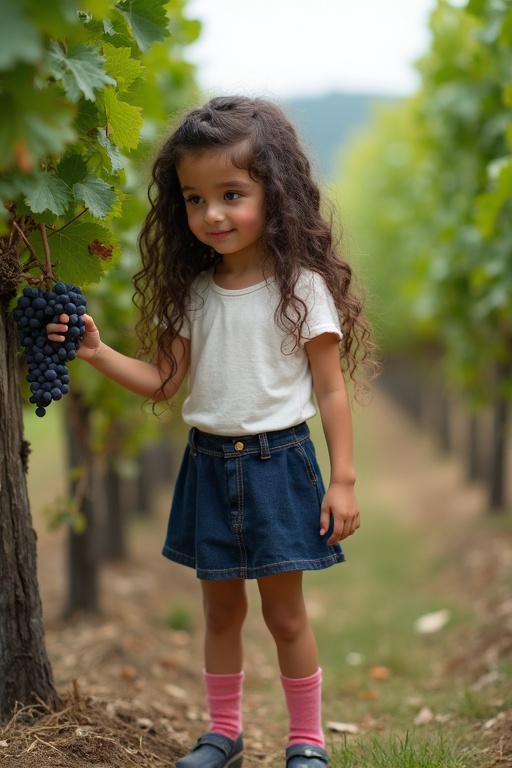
(340, 503)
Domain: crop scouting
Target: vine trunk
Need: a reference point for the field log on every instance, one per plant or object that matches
(25, 671)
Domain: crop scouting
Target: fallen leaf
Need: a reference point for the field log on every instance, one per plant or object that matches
(493, 720)
(343, 727)
(432, 622)
(3, 744)
(168, 662)
(175, 691)
(369, 695)
(424, 716)
(127, 673)
(380, 673)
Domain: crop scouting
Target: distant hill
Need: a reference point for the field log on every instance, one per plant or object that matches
(327, 122)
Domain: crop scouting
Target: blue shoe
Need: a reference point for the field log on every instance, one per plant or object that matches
(306, 756)
(213, 750)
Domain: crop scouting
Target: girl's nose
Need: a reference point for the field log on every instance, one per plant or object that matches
(213, 214)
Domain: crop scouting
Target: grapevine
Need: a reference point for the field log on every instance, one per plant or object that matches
(47, 360)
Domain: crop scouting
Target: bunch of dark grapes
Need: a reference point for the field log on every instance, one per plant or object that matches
(47, 360)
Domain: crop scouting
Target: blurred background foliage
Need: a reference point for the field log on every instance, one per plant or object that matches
(424, 185)
(427, 187)
(427, 190)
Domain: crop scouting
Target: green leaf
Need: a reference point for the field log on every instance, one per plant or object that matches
(115, 158)
(74, 251)
(49, 193)
(10, 187)
(40, 123)
(507, 94)
(121, 66)
(477, 7)
(108, 27)
(72, 169)
(97, 196)
(147, 19)
(20, 39)
(489, 205)
(506, 30)
(58, 19)
(124, 120)
(88, 117)
(80, 70)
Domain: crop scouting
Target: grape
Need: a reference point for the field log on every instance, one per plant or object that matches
(48, 374)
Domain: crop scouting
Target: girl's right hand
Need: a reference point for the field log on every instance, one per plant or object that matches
(90, 343)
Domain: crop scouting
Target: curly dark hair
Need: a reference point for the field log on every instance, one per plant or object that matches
(297, 235)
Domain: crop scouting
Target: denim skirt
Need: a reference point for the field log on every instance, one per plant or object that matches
(249, 506)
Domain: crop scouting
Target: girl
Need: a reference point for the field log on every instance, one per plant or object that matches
(242, 288)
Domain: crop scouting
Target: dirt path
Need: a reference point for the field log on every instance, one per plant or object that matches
(133, 685)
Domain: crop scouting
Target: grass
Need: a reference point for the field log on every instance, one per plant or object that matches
(397, 753)
(180, 616)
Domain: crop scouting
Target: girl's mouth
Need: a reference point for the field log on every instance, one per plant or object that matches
(220, 234)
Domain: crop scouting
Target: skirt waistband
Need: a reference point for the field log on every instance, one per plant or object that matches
(233, 446)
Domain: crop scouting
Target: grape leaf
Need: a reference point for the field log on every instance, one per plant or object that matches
(506, 30)
(121, 66)
(476, 6)
(20, 40)
(489, 205)
(96, 194)
(74, 254)
(48, 193)
(39, 121)
(88, 117)
(108, 27)
(124, 120)
(115, 158)
(80, 69)
(72, 169)
(147, 19)
(507, 95)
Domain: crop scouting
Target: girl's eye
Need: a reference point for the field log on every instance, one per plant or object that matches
(232, 195)
(193, 199)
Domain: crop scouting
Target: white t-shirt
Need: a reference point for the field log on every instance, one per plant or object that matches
(246, 375)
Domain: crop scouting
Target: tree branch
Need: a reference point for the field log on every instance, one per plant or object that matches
(47, 255)
(56, 231)
(25, 240)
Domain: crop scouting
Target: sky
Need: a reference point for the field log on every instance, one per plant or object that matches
(289, 48)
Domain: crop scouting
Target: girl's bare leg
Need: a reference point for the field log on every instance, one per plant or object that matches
(285, 615)
(225, 609)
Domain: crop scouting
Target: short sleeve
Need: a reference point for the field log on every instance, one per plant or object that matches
(185, 328)
(322, 316)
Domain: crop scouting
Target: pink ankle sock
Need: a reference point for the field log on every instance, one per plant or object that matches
(224, 697)
(304, 701)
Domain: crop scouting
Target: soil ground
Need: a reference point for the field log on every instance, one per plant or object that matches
(131, 685)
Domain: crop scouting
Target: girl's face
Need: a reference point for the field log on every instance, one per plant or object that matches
(224, 204)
